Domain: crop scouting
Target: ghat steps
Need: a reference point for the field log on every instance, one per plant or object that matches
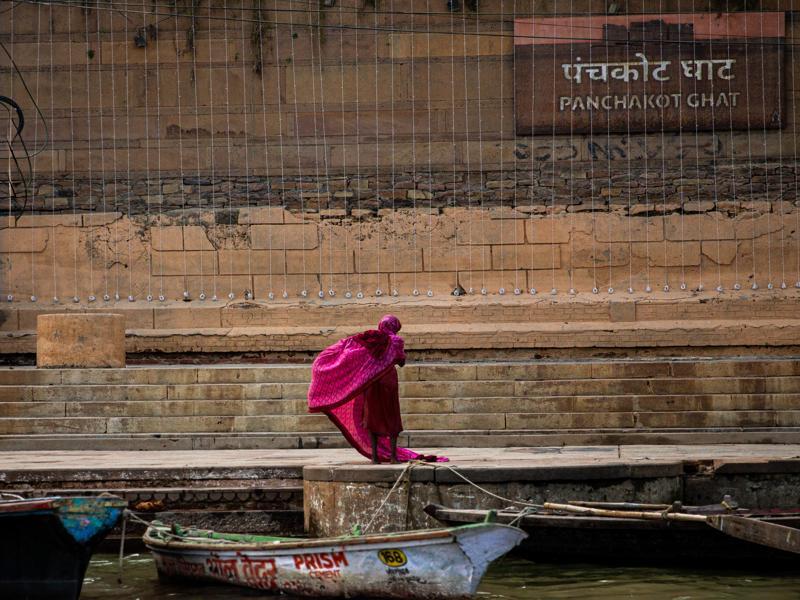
(479, 404)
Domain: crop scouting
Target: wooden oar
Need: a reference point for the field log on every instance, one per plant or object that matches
(751, 530)
(624, 514)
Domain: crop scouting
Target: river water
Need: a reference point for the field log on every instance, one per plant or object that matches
(508, 578)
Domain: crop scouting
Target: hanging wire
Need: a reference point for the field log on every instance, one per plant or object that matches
(700, 285)
(359, 237)
(736, 201)
(160, 195)
(666, 287)
(413, 79)
(247, 293)
(212, 152)
(192, 47)
(129, 192)
(51, 26)
(781, 193)
(467, 159)
(648, 288)
(34, 193)
(102, 113)
(297, 140)
(144, 31)
(285, 292)
(481, 173)
(715, 199)
(535, 170)
(630, 176)
(754, 284)
(320, 188)
(344, 160)
(230, 186)
(794, 164)
(517, 288)
(75, 297)
(394, 284)
(766, 157)
(682, 193)
(457, 291)
(430, 159)
(378, 190)
(179, 107)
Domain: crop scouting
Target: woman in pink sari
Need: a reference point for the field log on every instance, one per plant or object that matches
(354, 382)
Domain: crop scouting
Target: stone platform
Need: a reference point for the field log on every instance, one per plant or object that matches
(672, 324)
(338, 488)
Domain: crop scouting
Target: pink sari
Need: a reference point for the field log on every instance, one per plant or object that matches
(339, 376)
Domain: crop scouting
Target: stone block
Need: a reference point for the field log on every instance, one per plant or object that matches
(698, 227)
(251, 262)
(589, 254)
(748, 227)
(261, 215)
(668, 254)
(452, 258)
(80, 340)
(319, 261)
(25, 239)
(722, 252)
(489, 231)
(374, 260)
(287, 237)
(526, 256)
(183, 262)
(195, 237)
(614, 228)
(550, 230)
(44, 220)
(167, 237)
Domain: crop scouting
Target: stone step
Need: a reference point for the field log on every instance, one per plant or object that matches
(473, 371)
(457, 421)
(429, 439)
(408, 389)
(409, 406)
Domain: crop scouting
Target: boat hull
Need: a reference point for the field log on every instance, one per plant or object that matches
(587, 539)
(46, 544)
(441, 566)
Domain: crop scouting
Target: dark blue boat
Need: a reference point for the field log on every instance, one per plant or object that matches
(46, 543)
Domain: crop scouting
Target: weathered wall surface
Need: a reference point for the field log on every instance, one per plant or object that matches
(317, 154)
(344, 113)
(252, 253)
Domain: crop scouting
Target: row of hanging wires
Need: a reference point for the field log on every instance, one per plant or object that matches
(112, 176)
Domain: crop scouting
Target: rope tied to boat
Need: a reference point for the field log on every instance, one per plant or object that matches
(492, 494)
(127, 515)
(406, 470)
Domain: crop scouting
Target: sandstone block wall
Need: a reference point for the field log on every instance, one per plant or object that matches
(254, 252)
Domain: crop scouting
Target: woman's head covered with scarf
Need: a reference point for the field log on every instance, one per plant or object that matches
(389, 324)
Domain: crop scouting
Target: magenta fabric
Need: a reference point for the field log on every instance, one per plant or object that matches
(339, 377)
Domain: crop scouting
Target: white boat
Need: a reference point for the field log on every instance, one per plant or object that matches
(431, 563)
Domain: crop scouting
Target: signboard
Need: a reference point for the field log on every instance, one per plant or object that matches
(634, 74)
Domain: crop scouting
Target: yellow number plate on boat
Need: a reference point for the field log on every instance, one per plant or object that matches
(392, 557)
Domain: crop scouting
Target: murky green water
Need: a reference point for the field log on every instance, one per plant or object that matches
(509, 578)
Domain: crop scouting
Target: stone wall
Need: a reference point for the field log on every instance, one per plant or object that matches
(240, 157)
(322, 108)
(260, 252)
